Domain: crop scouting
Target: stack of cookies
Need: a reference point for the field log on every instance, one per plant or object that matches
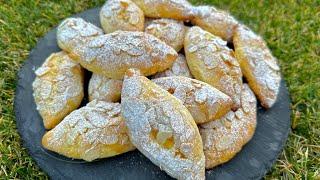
(174, 92)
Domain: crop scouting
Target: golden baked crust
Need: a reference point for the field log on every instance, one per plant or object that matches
(224, 138)
(74, 32)
(104, 89)
(57, 88)
(211, 61)
(217, 22)
(173, 9)
(92, 132)
(162, 128)
(170, 31)
(204, 102)
(179, 68)
(112, 54)
(258, 65)
(121, 15)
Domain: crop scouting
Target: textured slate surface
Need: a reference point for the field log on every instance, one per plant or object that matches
(252, 162)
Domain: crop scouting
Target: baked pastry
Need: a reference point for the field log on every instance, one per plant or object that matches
(162, 128)
(121, 15)
(224, 138)
(104, 89)
(91, 132)
(73, 32)
(179, 68)
(170, 31)
(57, 88)
(113, 54)
(211, 61)
(173, 9)
(204, 102)
(217, 22)
(258, 65)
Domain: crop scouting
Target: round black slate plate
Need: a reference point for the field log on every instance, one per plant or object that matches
(252, 162)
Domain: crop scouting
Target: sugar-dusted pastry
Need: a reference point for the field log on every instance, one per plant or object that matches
(121, 15)
(104, 89)
(204, 102)
(173, 9)
(91, 132)
(224, 138)
(170, 31)
(162, 128)
(57, 88)
(217, 22)
(258, 65)
(113, 54)
(74, 32)
(179, 68)
(211, 61)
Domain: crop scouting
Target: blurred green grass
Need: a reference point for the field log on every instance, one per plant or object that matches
(290, 27)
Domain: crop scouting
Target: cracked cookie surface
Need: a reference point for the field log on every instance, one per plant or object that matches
(57, 88)
(91, 132)
(225, 137)
(211, 61)
(162, 128)
(258, 65)
(121, 15)
(204, 102)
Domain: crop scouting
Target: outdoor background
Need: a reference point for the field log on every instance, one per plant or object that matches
(291, 29)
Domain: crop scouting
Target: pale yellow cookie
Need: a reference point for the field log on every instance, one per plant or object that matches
(179, 68)
(170, 31)
(211, 61)
(217, 22)
(57, 88)
(113, 54)
(204, 102)
(258, 65)
(92, 132)
(104, 89)
(121, 15)
(162, 128)
(173, 9)
(224, 138)
(73, 32)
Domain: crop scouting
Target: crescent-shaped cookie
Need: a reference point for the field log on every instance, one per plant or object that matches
(162, 128)
(121, 15)
(258, 65)
(179, 68)
(91, 132)
(217, 22)
(104, 89)
(224, 138)
(211, 61)
(204, 102)
(173, 9)
(170, 31)
(57, 88)
(73, 32)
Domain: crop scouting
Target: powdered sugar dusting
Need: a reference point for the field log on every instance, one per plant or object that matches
(58, 81)
(223, 138)
(162, 129)
(204, 102)
(121, 15)
(179, 68)
(104, 89)
(213, 62)
(90, 129)
(170, 31)
(260, 67)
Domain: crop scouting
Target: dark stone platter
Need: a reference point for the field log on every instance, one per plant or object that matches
(252, 162)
